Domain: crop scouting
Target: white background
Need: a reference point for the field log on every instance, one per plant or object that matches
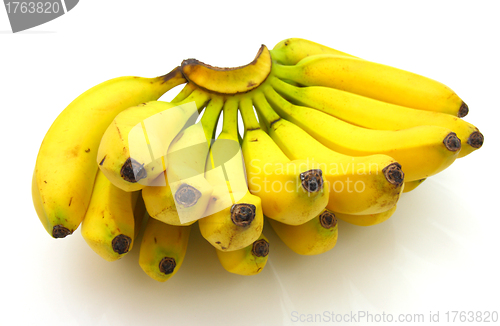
(438, 253)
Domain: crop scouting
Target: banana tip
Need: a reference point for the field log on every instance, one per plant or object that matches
(463, 111)
(260, 248)
(312, 180)
(242, 214)
(167, 265)
(452, 142)
(60, 231)
(121, 244)
(394, 174)
(476, 139)
(187, 195)
(327, 219)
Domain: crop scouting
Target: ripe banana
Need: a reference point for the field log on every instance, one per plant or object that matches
(133, 148)
(357, 185)
(163, 249)
(109, 226)
(422, 151)
(370, 113)
(234, 217)
(374, 80)
(250, 260)
(293, 50)
(292, 192)
(314, 237)
(65, 168)
(367, 219)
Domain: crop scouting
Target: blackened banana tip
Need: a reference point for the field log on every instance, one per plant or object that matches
(260, 248)
(452, 142)
(167, 265)
(60, 232)
(121, 244)
(476, 139)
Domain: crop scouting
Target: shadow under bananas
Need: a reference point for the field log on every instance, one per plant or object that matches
(372, 268)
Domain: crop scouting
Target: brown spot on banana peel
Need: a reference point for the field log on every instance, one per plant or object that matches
(102, 161)
(187, 195)
(475, 139)
(189, 68)
(167, 265)
(464, 110)
(312, 180)
(260, 248)
(394, 174)
(121, 244)
(132, 171)
(452, 142)
(243, 214)
(60, 231)
(327, 219)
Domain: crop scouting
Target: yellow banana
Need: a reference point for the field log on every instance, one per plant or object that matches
(229, 80)
(292, 50)
(314, 237)
(234, 217)
(357, 185)
(291, 191)
(374, 80)
(158, 196)
(65, 167)
(109, 226)
(370, 113)
(367, 219)
(133, 148)
(411, 185)
(163, 249)
(250, 260)
(422, 151)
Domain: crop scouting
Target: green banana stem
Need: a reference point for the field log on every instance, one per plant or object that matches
(248, 114)
(230, 121)
(265, 110)
(184, 93)
(210, 117)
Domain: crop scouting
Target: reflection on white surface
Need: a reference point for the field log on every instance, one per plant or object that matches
(418, 261)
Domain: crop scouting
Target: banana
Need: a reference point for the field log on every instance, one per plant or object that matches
(109, 226)
(314, 237)
(65, 167)
(133, 148)
(233, 219)
(374, 114)
(229, 80)
(367, 219)
(163, 249)
(293, 50)
(358, 185)
(184, 93)
(250, 260)
(422, 151)
(411, 185)
(374, 80)
(291, 191)
(158, 196)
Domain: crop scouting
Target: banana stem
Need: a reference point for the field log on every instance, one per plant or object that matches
(210, 117)
(248, 115)
(230, 121)
(185, 92)
(266, 111)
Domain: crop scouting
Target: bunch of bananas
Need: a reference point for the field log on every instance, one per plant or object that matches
(326, 136)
